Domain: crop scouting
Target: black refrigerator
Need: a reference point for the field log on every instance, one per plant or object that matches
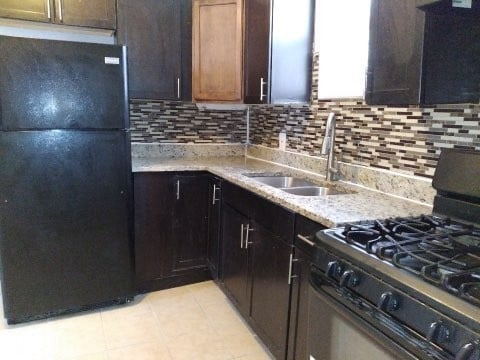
(65, 178)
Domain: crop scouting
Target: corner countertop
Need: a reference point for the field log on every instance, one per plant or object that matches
(359, 205)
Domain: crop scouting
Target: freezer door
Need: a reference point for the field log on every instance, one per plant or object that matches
(64, 221)
(46, 84)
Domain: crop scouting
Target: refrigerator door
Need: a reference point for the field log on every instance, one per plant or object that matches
(65, 232)
(46, 84)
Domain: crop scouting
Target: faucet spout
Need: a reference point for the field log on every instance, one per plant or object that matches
(328, 147)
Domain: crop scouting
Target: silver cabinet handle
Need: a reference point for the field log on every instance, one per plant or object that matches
(247, 235)
(60, 10)
(178, 89)
(262, 84)
(214, 196)
(305, 239)
(178, 189)
(290, 269)
(49, 10)
(241, 236)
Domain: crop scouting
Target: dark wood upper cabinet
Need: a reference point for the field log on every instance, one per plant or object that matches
(36, 10)
(256, 51)
(451, 61)
(278, 51)
(395, 53)
(159, 46)
(92, 13)
(89, 13)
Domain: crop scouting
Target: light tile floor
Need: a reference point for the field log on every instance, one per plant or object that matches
(190, 322)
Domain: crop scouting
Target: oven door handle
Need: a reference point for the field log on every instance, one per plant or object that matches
(370, 318)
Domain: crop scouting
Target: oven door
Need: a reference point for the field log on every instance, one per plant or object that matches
(343, 326)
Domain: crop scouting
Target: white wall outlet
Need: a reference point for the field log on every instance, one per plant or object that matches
(282, 140)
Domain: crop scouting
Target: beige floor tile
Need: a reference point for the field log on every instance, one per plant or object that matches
(207, 294)
(139, 306)
(190, 322)
(261, 355)
(171, 300)
(175, 323)
(24, 342)
(242, 344)
(96, 356)
(130, 330)
(186, 347)
(75, 336)
(145, 351)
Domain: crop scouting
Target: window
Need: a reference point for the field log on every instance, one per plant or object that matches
(341, 40)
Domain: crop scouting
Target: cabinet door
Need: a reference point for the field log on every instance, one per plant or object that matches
(92, 13)
(257, 45)
(235, 258)
(395, 52)
(297, 346)
(214, 226)
(188, 242)
(217, 50)
(158, 39)
(36, 10)
(154, 196)
(451, 61)
(270, 289)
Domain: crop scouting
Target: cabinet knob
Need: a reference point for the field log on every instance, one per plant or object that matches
(388, 302)
(438, 332)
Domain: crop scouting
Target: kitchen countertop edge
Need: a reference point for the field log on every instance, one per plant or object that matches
(360, 205)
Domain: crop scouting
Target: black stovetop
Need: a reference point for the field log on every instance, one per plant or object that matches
(443, 252)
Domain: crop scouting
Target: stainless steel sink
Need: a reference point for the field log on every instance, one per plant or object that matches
(313, 191)
(295, 185)
(282, 181)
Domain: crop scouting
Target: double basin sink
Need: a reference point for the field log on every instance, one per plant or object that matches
(295, 185)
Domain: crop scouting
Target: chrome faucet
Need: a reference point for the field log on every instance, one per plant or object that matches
(328, 147)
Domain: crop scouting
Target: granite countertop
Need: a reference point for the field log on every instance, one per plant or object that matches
(358, 205)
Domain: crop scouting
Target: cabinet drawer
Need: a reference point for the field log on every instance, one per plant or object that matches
(275, 218)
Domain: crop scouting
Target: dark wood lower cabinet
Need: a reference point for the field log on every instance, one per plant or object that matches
(235, 272)
(305, 231)
(257, 248)
(170, 229)
(214, 226)
(270, 289)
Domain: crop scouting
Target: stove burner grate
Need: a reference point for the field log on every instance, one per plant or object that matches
(439, 250)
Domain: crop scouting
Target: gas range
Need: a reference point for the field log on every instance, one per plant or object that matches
(443, 252)
(419, 277)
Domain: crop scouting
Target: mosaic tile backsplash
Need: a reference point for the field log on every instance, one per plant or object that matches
(405, 140)
(180, 122)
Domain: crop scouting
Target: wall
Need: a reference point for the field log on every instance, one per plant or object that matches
(406, 140)
(180, 122)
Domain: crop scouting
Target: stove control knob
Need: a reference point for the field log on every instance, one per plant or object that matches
(349, 278)
(388, 302)
(334, 268)
(438, 332)
(469, 351)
